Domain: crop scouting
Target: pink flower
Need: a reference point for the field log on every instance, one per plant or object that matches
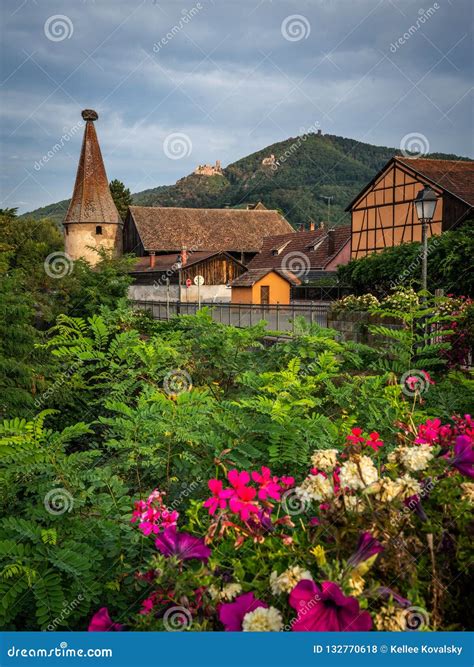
(153, 514)
(241, 502)
(428, 433)
(286, 482)
(356, 436)
(374, 441)
(269, 487)
(237, 478)
(101, 622)
(219, 496)
(182, 545)
(325, 608)
(232, 614)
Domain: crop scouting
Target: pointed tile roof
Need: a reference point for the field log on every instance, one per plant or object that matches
(91, 200)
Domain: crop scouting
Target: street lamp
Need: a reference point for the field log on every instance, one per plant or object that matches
(179, 266)
(425, 204)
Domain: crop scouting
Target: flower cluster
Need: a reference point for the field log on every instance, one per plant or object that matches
(251, 497)
(456, 441)
(153, 515)
(403, 298)
(355, 303)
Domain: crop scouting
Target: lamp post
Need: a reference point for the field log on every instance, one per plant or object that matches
(179, 266)
(425, 204)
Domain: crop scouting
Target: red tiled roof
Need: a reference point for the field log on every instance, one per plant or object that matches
(91, 200)
(307, 250)
(169, 261)
(454, 176)
(252, 276)
(171, 228)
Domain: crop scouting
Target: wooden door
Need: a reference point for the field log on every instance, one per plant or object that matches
(265, 295)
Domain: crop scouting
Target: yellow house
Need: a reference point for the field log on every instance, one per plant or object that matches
(264, 286)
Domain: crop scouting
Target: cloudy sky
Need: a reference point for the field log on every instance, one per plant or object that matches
(177, 84)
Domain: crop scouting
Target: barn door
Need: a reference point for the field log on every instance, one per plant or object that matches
(265, 295)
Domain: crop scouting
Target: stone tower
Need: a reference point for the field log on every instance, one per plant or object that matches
(92, 220)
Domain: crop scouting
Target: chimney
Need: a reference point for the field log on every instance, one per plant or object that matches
(331, 235)
(311, 226)
(152, 260)
(321, 225)
(184, 257)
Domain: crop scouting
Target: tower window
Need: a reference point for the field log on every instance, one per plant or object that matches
(98, 229)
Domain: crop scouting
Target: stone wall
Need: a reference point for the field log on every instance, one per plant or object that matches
(354, 325)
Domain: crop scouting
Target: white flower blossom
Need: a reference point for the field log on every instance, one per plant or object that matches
(315, 487)
(325, 459)
(228, 592)
(287, 580)
(413, 458)
(263, 619)
(358, 474)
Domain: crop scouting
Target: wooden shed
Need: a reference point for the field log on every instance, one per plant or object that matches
(264, 287)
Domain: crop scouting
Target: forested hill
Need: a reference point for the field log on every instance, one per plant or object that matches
(306, 169)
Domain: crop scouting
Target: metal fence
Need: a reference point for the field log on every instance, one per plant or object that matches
(278, 317)
(319, 293)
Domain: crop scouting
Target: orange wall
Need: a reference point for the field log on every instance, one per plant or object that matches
(279, 290)
(385, 216)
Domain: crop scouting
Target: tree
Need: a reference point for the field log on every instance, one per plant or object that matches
(449, 261)
(122, 197)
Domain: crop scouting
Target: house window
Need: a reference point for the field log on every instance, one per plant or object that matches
(98, 229)
(265, 294)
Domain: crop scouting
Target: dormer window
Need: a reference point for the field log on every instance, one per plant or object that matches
(279, 249)
(98, 229)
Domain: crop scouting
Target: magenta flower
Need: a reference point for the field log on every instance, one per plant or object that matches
(232, 614)
(367, 547)
(326, 609)
(153, 515)
(463, 458)
(428, 433)
(242, 502)
(219, 496)
(182, 545)
(269, 487)
(101, 622)
(237, 478)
